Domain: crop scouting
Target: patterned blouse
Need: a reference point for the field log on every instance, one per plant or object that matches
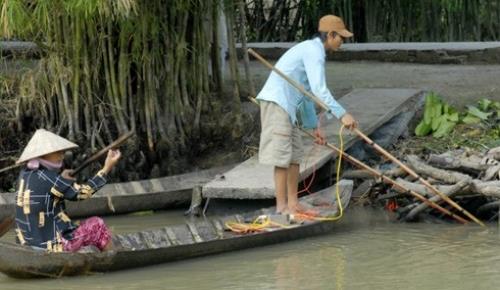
(41, 220)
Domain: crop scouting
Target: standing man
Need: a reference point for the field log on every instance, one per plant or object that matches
(282, 105)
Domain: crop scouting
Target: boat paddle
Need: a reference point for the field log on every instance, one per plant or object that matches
(8, 222)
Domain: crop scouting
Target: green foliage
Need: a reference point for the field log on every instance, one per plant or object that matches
(485, 110)
(111, 66)
(439, 118)
(476, 113)
(378, 21)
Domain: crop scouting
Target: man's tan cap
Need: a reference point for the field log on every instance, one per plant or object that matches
(334, 23)
(44, 142)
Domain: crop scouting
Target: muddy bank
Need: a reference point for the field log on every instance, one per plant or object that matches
(217, 146)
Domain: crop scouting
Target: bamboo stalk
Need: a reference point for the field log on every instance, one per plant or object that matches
(75, 84)
(115, 97)
(244, 47)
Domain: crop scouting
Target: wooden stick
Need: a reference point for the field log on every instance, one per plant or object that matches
(384, 177)
(93, 158)
(6, 225)
(368, 140)
(436, 198)
(103, 151)
(10, 167)
(317, 100)
(488, 188)
(418, 177)
(389, 180)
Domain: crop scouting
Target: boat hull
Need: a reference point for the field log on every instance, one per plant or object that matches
(159, 246)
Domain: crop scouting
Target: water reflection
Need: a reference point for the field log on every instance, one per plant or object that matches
(300, 269)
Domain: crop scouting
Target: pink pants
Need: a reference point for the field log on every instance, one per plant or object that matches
(91, 232)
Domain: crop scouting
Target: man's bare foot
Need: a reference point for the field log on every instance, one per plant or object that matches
(301, 209)
(282, 210)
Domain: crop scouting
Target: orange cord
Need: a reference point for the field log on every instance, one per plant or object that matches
(313, 174)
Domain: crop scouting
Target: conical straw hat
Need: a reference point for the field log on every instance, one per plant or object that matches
(44, 142)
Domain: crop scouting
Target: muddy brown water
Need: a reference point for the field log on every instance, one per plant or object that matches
(365, 251)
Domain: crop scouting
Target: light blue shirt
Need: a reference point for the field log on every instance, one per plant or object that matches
(304, 63)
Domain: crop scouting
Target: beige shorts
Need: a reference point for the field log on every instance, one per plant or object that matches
(280, 141)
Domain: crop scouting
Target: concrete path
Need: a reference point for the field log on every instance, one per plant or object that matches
(372, 108)
(459, 85)
(418, 52)
(415, 52)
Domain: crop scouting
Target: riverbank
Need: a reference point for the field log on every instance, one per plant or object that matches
(459, 85)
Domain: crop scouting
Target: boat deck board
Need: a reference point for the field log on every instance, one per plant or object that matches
(371, 107)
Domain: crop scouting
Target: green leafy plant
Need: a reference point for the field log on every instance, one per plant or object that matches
(485, 110)
(439, 117)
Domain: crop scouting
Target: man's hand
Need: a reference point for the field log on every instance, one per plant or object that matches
(349, 121)
(320, 137)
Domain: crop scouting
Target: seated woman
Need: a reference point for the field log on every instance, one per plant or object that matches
(40, 218)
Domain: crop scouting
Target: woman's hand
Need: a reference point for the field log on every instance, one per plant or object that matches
(68, 174)
(111, 160)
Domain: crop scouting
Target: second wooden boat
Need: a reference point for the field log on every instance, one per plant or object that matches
(172, 243)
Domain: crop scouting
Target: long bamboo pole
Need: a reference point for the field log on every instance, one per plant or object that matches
(367, 139)
(389, 180)
(385, 178)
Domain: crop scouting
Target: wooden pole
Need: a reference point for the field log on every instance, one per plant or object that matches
(389, 180)
(6, 225)
(10, 167)
(93, 158)
(367, 139)
(103, 151)
(417, 176)
(318, 101)
(8, 222)
(385, 178)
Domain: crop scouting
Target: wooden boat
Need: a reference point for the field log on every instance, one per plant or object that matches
(193, 239)
(116, 198)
